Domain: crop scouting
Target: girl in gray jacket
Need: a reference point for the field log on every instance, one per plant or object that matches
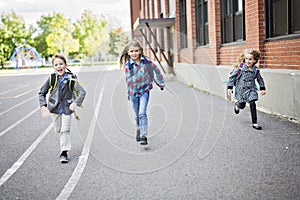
(62, 102)
(243, 78)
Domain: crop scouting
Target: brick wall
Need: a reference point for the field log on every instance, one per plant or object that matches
(229, 54)
(187, 54)
(255, 26)
(214, 30)
(283, 53)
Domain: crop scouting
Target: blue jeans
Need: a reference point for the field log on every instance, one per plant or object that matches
(139, 105)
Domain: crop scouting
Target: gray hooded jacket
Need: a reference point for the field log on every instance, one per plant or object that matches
(65, 96)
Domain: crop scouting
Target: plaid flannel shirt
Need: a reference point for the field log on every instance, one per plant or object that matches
(138, 77)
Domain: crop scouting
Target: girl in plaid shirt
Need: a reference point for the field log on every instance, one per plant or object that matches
(139, 72)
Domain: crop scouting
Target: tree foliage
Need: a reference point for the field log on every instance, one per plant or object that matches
(91, 30)
(88, 36)
(42, 32)
(60, 38)
(12, 34)
(118, 40)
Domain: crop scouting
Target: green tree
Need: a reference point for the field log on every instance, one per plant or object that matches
(117, 42)
(42, 32)
(91, 30)
(12, 34)
(60, 38)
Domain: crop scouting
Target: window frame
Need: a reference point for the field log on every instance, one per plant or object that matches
(230, 16)
(201, 18)
(183, 24)
(290, 21)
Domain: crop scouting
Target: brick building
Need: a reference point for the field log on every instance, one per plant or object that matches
(200, 40)
(216, 31)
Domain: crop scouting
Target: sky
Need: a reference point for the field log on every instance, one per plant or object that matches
(32, 10)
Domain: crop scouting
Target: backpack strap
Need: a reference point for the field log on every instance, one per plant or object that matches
(239, 72)
(241, 68)
(52, 81)
(72, 82)
(72, 88)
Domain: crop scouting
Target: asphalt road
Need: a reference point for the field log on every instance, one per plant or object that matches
(198, 148)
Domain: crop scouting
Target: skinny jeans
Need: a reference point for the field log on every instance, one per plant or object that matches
(139, 105)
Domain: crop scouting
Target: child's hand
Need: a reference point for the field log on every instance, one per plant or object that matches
(229, 91)
(73, 106)
(45, 112)
(263, 92)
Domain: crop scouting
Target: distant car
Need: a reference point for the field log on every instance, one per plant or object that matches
(76, 61)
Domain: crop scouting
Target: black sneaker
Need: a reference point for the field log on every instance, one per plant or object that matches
(256, 126)
(236, 109)
(138, 136)
(63, 158)
(144, 141)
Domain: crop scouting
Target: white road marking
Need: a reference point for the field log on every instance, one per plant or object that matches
(69, 187)
(18, 122)
(19, 95)
(13, 89)
(11, 108)
(25, 155)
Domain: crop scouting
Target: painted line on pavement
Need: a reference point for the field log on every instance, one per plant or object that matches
(25, 155)
(19, 95)
(69, 187)
(13, 89)
(17, 105)
(18, 122)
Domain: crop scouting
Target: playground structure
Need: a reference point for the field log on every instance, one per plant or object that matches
(25, 56)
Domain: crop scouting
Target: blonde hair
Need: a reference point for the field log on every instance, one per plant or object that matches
(254, 52)
(124, 56)
(241, 57)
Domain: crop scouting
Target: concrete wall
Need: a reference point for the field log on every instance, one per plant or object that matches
(283, 86)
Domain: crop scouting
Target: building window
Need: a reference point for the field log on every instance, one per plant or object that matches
(155, 9)
(162, 8)
(283, 17)
(150, 9)
(171, 8)
(183, 25)
(233, 20)
(201, 22)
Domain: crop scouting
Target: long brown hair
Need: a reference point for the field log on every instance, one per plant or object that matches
(124, 56)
